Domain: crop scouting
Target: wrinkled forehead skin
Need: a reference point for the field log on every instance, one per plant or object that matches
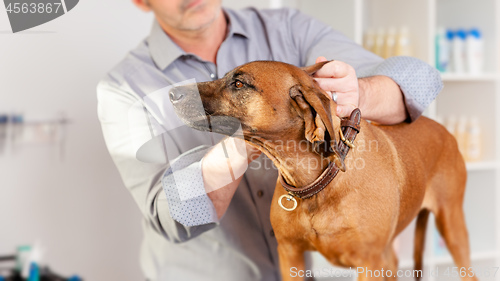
(270, 76)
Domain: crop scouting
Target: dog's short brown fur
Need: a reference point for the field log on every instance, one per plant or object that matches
(394, 174)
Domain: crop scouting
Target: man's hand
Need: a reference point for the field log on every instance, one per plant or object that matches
(223, 168)
(339, 77)
(378, 97)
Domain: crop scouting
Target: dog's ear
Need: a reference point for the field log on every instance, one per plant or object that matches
(311, 69)
(315, 107)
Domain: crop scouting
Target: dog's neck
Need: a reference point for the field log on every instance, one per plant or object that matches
(300, 162)
(296, 161)
(301, 159)
(303, 168)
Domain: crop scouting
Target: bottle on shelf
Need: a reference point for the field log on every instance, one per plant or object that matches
(461, 135)
(467, 132)
(390, 43)
(461, 52)
(451, 124)
(403, 43)
(442, 50)
(474, 51)
(473, 147)
(458, 50)
(379, 42)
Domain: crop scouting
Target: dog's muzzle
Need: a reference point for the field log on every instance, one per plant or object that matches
(188, 105)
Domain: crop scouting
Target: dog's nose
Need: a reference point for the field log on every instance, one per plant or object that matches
(176, 95)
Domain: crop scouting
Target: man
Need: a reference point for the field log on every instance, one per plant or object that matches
(197, 224)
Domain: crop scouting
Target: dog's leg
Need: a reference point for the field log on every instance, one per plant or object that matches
(450, 222)
(292, 263)
(376, 270)
(392, 265)
(418, 252)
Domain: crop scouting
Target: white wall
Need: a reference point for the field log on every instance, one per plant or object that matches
(240, 4)
(77, 208)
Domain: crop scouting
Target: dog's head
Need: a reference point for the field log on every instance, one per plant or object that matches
(271, 100)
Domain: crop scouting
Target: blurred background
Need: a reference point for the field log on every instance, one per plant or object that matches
(59, 188)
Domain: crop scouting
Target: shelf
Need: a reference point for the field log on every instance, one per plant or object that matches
(481, 166)
(447, 259)
(474, 257)
(451, 77)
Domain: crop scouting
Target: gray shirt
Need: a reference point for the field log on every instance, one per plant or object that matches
(183, 240)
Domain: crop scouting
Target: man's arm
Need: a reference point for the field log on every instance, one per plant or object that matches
(148, 182)
(215, 166)
(202, 180)
(378, 99)
(381, 100)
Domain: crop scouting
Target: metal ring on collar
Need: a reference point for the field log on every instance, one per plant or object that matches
(288, 197)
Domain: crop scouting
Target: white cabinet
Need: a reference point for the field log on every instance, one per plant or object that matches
(469, 95)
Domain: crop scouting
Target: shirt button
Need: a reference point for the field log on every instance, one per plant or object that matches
(260, 193)
(212, 75)
(271, 233)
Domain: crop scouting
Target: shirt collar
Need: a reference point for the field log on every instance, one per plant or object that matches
(164, 51)
(235, 24)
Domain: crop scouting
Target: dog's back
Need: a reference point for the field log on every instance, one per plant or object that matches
(428, 155)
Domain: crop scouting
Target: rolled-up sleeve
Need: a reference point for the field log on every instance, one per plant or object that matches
(419, 82)
(155, 186)
(183, 184)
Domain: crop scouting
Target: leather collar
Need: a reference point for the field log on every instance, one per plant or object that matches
(350, 128)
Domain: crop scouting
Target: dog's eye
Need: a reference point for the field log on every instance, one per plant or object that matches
(238, 84)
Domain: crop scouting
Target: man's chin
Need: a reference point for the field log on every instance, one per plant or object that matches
(199, 18)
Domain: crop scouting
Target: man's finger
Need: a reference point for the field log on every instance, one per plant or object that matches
(336, 84)
(334, 69)
(320, 59)
(345, 110)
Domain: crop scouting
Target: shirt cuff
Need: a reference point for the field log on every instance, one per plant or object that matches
(187, 200)
(419, 82)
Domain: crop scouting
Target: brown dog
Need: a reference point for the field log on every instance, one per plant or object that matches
(392, 175)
